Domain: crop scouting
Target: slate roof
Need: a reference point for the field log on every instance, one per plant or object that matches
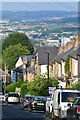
(31, 69)
(62, 56)
(57, 58)
(18, 69)
(67, 53)
(28, 58)
(43, 55)
(28, 69)
(75, 53)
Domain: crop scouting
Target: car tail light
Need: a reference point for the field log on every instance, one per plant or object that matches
(32, 103)
(78, 110)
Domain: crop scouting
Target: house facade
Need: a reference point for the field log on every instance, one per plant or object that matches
(24, 69)
(44, 55)
(71, 50)
(27, 67)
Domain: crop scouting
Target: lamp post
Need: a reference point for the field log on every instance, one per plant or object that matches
(48, 65)
(2, 86)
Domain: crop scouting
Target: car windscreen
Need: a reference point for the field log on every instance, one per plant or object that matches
(13, 95)
(69, 96)
(29, 98)
(39, 99)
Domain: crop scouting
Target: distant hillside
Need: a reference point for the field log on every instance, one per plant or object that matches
(64, 20)
(35, 15)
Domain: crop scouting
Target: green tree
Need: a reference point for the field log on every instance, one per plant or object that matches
(18, 84)
(15, 38)
(10, 88)
(76, 85)
(12, 53)
(24, 89)
(39, 86)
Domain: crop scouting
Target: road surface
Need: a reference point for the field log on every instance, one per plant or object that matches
(13, 112)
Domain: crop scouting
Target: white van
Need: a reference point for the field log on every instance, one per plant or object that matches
(63, 98)
(49, 105)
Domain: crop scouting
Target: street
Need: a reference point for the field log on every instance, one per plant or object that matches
(13, 112)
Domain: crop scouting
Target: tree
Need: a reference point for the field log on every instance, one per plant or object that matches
(18, 84)
(12, 53)
(15, 38)
(24, 89)
(10, 88)
(39, 86)
(75, 85)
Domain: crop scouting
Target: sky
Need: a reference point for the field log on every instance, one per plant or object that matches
(36, 6)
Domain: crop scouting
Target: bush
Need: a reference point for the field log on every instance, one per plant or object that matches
(39, 86)
(24, 89)
(10, 88)
(76, 85)
(18, 84)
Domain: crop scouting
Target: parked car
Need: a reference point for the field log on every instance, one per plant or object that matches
(38, 104)
(47, 106)
(73, 113)
(26, 101)
(13, 97)
(62, 99)
(6, 95)
(2, 97)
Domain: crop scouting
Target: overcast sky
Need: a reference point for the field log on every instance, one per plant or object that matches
(36, 6)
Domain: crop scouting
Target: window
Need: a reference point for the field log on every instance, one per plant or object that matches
(13, 95)
(69, 96)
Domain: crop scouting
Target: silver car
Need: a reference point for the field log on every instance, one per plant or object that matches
(13, 97)
(2, 97)
(26, 101)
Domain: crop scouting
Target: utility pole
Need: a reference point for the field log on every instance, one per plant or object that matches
(2, 86)
(48, 65)
(5, 74)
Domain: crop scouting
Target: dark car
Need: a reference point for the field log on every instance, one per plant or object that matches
(26, 101)
(73, 113)
(38, 104)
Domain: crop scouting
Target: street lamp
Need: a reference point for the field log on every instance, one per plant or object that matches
(48, 65)
(2, 86)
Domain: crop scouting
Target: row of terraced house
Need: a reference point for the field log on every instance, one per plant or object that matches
(27, 67)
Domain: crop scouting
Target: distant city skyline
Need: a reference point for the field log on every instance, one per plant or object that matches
(37, 6)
